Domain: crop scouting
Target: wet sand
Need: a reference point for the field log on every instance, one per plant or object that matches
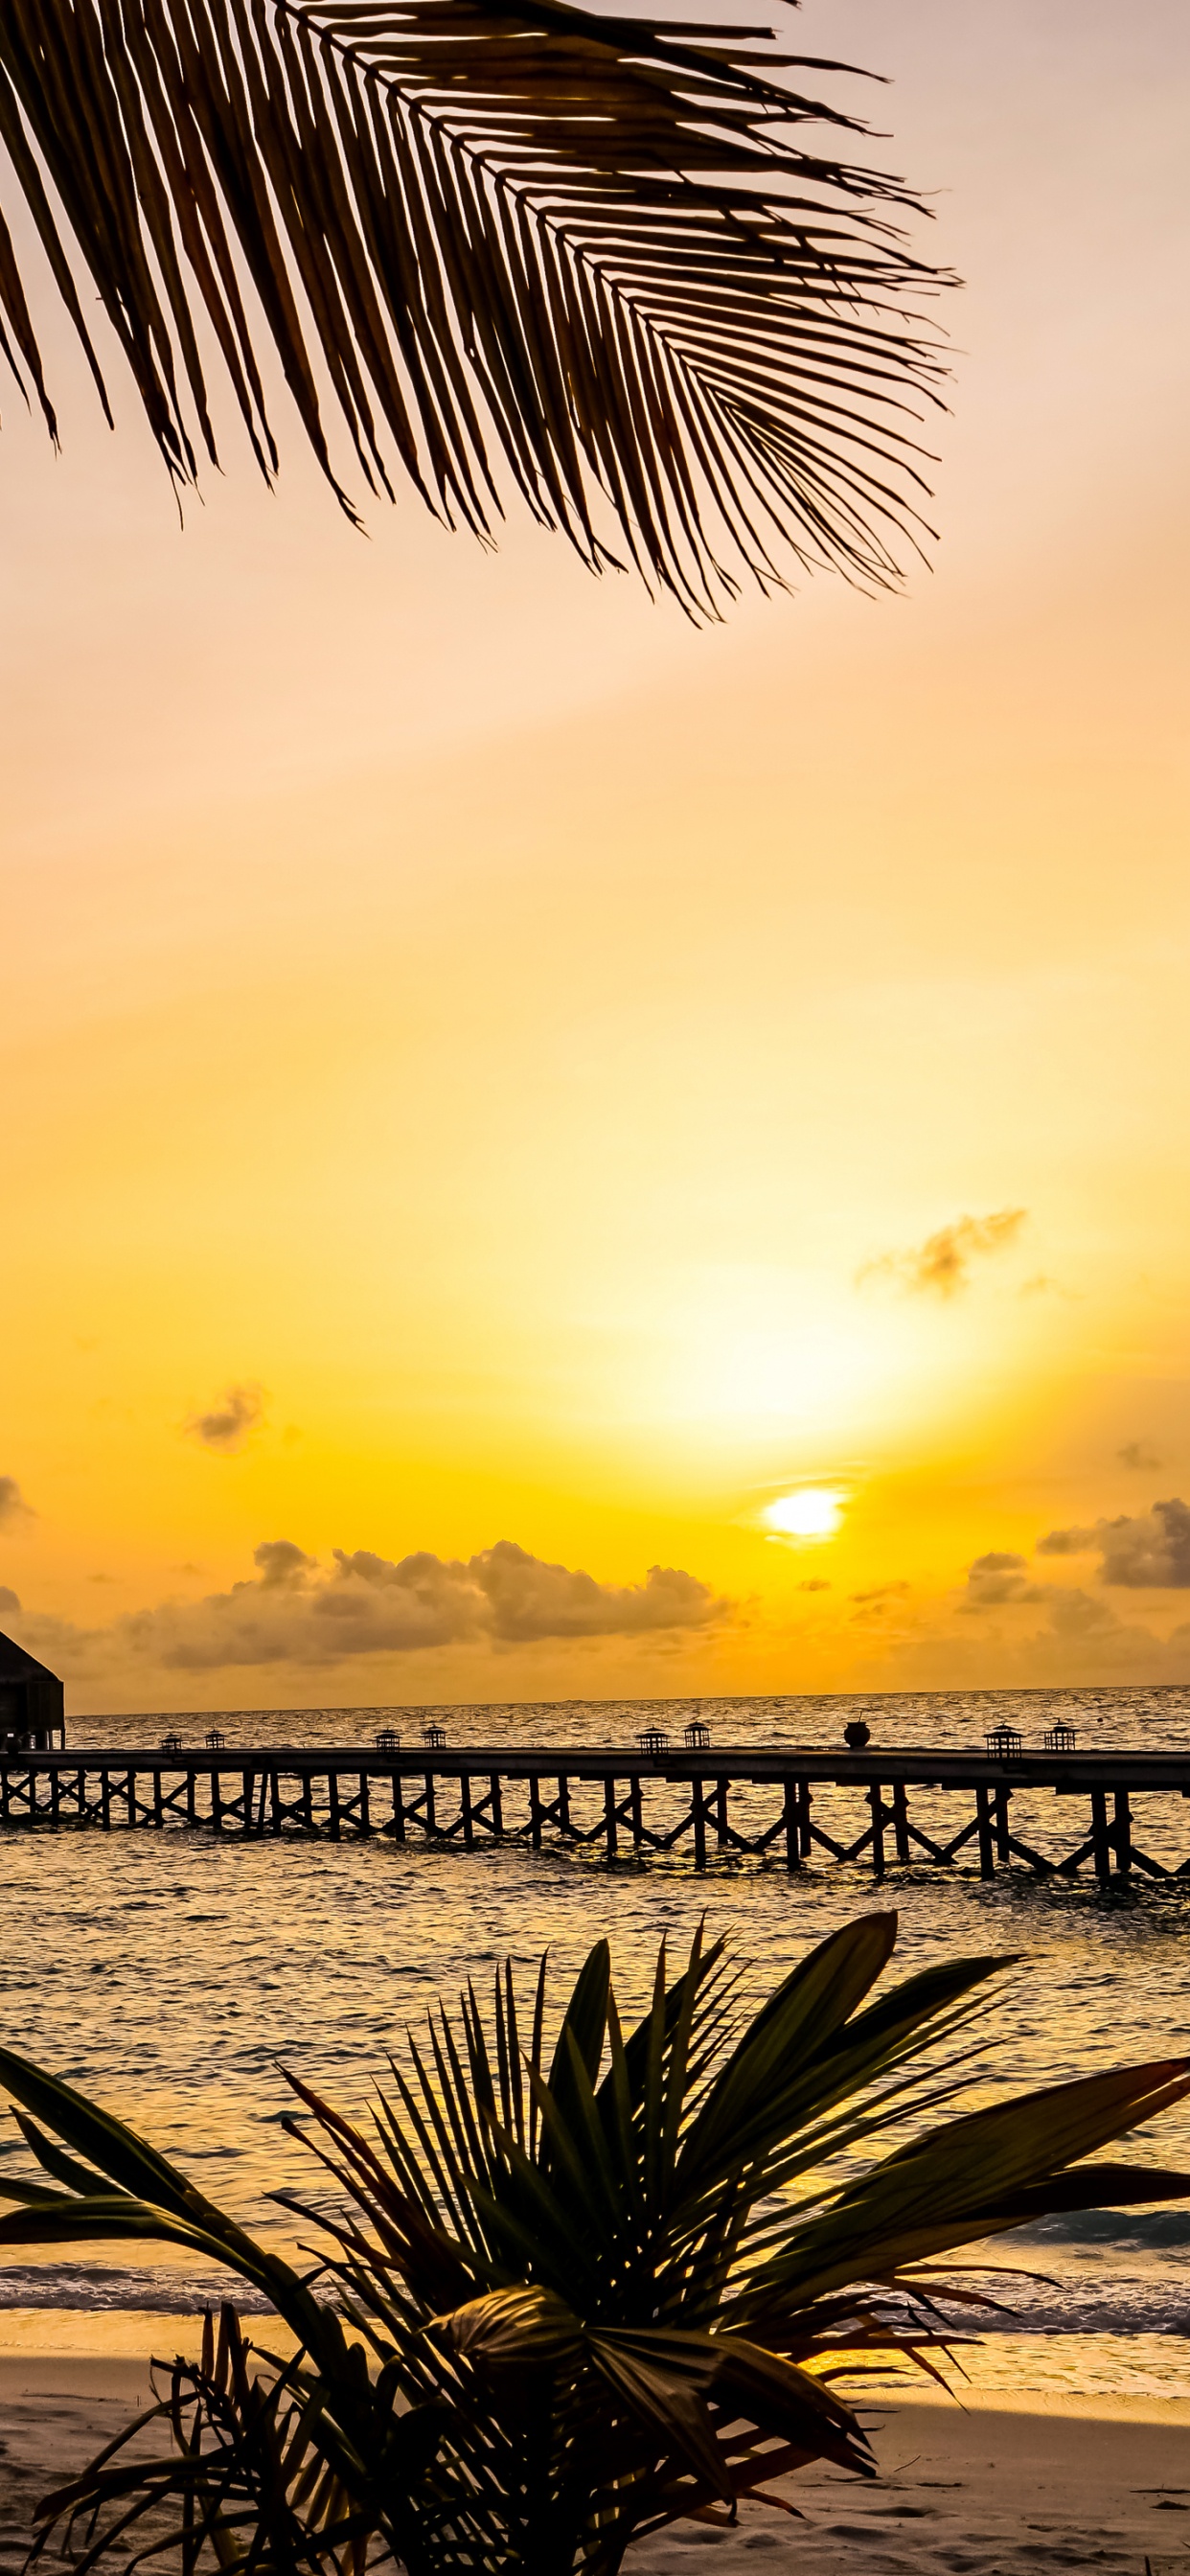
(985, 2492)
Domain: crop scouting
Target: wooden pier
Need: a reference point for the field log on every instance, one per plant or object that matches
(877, 1809)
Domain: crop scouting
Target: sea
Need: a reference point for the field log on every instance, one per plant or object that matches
(175, 1977)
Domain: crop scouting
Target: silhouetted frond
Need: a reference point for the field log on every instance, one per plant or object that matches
(592, 254)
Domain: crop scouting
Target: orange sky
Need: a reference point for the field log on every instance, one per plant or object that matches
(544, 1057)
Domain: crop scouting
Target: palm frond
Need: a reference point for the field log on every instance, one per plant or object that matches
(569, 2294)
(510, 240)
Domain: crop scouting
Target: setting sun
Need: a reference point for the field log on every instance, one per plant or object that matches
(815, 1512)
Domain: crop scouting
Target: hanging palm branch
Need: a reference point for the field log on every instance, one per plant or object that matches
(594, 250)
(567, 2297)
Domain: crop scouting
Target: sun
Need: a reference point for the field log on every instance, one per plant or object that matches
(813, 1512)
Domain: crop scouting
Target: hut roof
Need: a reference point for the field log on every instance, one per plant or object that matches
(17, 1665)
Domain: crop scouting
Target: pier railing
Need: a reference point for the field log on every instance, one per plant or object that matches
(799, 1808)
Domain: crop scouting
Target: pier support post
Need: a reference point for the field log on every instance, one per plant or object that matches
(1002, 1851)
(1099, 1836)
(900, 1819)
(609, 1817)
(1122, 1833)
(564, 1805)
(699, 1814)
(335, 1822)
(987, 1858)
(805, 1832)
(497, 1805)
(365, 1811)
(535, 1812)
(793, 1854)
(721, 1827)
(638, 1822)
(876, 1803)
(465, 1805)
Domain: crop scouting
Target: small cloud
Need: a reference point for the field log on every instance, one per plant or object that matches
(941, 1266)
(230, 1421)
(1140, 1551)
(8, 1601)
(1138, 1455)
(187, 1568)
(282, 1564)
(998, 1578)
(881, 1592)
(1067, 1542)
(816, 1583)
(13, 1507)
(1078, 1615)
(1041, 1285)
(103, 1578)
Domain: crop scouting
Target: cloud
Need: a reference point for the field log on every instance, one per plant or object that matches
(1079, 1640)
(232, 1417)
(941, 1266)
(282, 1564)
(8, 1601)
(997, 1578)
(13, 1507)
(1139, 1455)
(815, 1583)
(881, 1592)
(1142, 1551)
(292, 1611)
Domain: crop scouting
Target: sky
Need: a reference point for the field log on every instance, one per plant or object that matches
(552, 1154)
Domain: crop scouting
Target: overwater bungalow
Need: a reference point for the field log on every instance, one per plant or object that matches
(32, 1707)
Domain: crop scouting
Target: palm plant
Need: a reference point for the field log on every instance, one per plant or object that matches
(565, 2298)
(595, 250)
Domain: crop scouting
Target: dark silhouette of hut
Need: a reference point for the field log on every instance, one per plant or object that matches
(32, 1711)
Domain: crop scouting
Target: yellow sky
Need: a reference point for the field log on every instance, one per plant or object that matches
(541, 1055)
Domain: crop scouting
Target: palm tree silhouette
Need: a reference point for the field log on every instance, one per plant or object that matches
(526, 243)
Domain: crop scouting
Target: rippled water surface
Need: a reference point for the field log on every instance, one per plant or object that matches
(173, 1975)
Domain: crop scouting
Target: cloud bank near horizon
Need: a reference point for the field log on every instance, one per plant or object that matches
(1140, 1551)
(294, 1610)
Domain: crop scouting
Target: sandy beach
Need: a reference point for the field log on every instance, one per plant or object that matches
(984, 2492)
(988, 2492)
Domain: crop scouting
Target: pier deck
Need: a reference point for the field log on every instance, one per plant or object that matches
(881, 1809)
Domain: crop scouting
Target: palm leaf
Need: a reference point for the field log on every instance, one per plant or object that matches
(571, 2293)
(508, 239)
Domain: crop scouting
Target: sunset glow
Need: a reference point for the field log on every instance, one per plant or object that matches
(651, 1161)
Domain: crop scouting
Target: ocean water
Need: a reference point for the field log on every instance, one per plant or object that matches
(174, 1977)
